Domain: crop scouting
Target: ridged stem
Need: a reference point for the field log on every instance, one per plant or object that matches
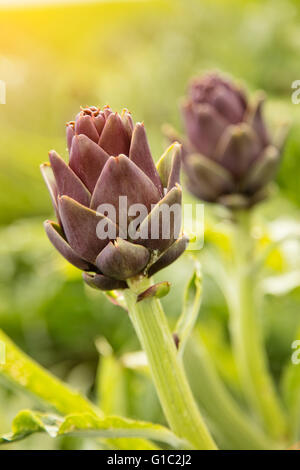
(247, 335)
(173, 390)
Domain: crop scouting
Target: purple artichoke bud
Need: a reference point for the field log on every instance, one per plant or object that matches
(228, 156)
(110, 162)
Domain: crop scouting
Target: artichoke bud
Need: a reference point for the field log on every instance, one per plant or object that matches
(118, 215)
(228, 155)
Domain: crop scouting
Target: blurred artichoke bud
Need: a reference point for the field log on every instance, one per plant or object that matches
(228, 156)
(109, 161)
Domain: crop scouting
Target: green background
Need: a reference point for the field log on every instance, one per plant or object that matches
(138, 55)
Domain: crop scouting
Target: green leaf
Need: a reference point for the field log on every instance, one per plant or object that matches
(191, 305)
(20, 371)
(116, 426)
(28, 422)
(87, 425)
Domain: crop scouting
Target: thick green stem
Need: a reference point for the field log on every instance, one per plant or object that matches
(167, 371)
(247, 334)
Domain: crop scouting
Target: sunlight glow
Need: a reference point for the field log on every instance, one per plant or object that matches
(14, 3)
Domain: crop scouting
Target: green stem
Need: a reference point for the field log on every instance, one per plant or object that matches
(247, 334)
(219, 405)
(167, 371)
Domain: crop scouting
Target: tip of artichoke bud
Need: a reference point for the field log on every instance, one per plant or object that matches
(50, 153)
(209, 78)
(177, 186)
(48, 222)
(90, 110)
(238, 131)
(116, 242)
(70, 123)
(106, 108)
(125, 111)
(176, 145)
(118, 157)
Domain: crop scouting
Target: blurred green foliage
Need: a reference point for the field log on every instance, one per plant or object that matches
(138, 55)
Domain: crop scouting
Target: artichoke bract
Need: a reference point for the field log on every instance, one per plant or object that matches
(228, 155)
(110, 185)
